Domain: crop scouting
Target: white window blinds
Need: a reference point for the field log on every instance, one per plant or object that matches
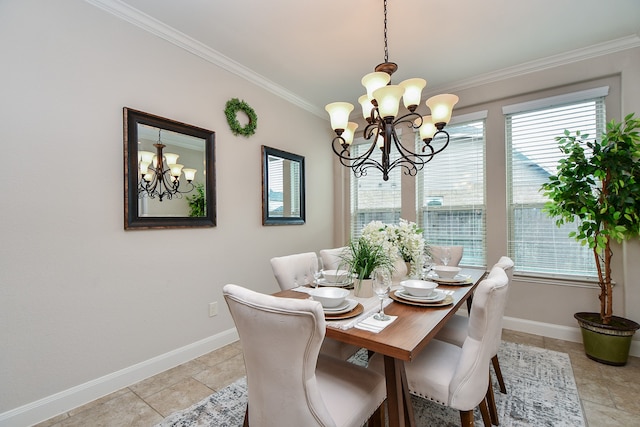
(451, 191)
(535, 243)
(372, 198)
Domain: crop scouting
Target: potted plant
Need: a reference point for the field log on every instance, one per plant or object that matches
(362, 258)
(197, 205)
(598, 185)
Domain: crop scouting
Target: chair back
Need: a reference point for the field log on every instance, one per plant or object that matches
(295, 270)
(471, 379)
(280, 340)
(456, 254)
(333, 258)
(507, 265)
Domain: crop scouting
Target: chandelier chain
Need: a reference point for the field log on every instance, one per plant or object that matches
(386, 48)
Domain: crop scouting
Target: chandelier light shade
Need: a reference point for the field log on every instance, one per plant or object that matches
(381, 109)
(160, 174)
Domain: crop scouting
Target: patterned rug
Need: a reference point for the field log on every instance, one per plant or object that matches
(541, 391)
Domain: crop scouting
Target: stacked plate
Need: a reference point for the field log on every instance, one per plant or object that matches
(342, 284)
(346, 306)
(436, 296)
(459, 279)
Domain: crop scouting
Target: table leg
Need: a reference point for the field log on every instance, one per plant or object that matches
(400, 411)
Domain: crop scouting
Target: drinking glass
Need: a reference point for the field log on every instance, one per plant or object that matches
(318, 272)
(445, 256)
(381, 286)
(427, 265)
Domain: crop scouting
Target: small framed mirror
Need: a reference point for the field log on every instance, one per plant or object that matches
(283, 198)
(169, 173)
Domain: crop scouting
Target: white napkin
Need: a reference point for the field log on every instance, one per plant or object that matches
(372, 325)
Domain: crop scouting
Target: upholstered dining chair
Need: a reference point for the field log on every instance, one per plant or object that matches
(456, 254)
(332, 259)
(455, 332)
(289, 383)
(455, 376)
(294, 270)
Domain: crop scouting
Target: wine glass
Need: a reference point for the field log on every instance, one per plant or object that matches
(318, 272)
(445, 256)
(427, 265)
(381, 286)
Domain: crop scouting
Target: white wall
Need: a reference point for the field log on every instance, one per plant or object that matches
(80, 298)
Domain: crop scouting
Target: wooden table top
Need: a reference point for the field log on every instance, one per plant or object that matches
(412, 330)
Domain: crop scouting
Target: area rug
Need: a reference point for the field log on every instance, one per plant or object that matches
(541, 391)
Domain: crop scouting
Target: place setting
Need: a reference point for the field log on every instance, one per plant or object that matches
(335, 304)
(421, 293)
(448, 275)
(333, 278)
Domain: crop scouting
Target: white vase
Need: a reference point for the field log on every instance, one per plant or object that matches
(363, 288)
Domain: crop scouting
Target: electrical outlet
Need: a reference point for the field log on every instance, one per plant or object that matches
(213, 309)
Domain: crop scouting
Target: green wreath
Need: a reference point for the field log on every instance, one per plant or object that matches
(233, 106)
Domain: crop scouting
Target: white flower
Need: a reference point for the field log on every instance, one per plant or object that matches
(404, 240)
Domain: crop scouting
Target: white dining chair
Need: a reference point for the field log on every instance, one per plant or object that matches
(294, 270)
(458, 377)
(289, 383)
(455, 332)
(333, 259)
(455, 251)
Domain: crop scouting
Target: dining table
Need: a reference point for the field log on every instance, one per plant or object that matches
(401, 340)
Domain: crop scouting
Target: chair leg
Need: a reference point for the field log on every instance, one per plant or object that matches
(466, 418)
(486, 419)
(491, 403)
(246, 417)
(496, 368)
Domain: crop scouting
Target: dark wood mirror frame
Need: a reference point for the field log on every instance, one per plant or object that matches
(132, 219)
(292, 195)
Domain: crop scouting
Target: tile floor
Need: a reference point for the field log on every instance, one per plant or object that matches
(610, 395)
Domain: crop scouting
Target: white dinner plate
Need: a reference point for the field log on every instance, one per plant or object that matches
(348, 305)
(437, 296)
(458, 278)
(325, 282)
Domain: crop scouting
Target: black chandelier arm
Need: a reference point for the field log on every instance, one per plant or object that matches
(154, 188)
(427, 144)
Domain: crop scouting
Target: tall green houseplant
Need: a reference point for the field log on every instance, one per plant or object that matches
(598, 186)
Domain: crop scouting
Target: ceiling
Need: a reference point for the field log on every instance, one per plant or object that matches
(316, 51)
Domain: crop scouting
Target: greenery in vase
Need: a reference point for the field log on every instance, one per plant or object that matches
(364, 257)
(598, 185)
(197, 206)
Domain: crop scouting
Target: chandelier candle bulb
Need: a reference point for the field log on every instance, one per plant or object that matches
(412, 92)
(171, 158)
(374, 81)
(367, 106)
(145, 156)
(441, 107)
(189, 174)
(339, 114)
(427, 129)
(349, 133)
(388, 98)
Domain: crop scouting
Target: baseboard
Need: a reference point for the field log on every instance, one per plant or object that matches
(566, 333)
(66, 400)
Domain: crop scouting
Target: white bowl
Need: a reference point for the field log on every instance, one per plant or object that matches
(418, 288)
(329, 297)
(336, 276)
(446, 272)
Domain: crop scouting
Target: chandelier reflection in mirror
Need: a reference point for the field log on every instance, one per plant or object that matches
(160, 174)
(380, 107)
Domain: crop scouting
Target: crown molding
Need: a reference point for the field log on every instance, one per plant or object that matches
(612, 46)
(162, 30)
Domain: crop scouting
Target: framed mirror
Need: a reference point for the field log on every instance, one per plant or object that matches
(283, 198)
(169, 173)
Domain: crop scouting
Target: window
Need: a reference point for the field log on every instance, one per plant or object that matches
(535, 243)
(451, 189)
(372, 198)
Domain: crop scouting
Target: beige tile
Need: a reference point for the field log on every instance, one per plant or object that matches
(220, 355)
(166, 379)
(99, 401)
(125, 410)
(625, 398)
(179, 396)
(593, 390)
(563, 346)
(627, 376)
(223, 374)
(522, 338)
(604, 416)
(53, 421)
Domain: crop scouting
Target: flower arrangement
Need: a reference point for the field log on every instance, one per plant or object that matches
(404, 241)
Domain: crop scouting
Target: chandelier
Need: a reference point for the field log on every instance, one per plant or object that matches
(160, 174)
(380, 107)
